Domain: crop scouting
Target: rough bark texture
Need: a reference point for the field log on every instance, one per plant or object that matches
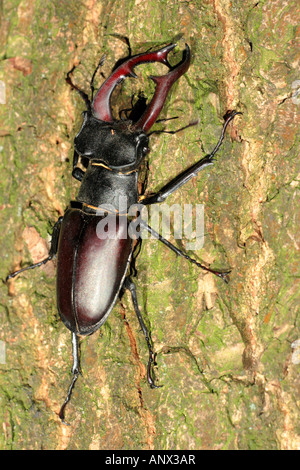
(226, 354)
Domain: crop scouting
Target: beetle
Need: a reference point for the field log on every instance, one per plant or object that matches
(93, 270)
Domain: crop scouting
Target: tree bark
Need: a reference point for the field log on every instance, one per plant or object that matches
(227, 355)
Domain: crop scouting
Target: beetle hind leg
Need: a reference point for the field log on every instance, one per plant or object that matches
(129, 284)
(75, 371)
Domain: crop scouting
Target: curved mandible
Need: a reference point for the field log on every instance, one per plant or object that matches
(163, 85)
(101, 103)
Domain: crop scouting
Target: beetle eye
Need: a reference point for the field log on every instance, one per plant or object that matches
(142, 143)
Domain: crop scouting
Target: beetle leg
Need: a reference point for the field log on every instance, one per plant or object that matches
(129, 284)
(75, 372)
(176, 183)
(186, 175)
(52, 252)
(222, 274)
(101, 103)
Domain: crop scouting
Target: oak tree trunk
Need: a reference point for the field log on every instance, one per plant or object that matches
(227, 354)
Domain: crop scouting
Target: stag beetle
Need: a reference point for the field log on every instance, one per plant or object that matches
(92, 271)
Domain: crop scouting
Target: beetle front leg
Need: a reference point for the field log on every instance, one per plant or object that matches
(52, 252)
(186, 175)
(129, 284)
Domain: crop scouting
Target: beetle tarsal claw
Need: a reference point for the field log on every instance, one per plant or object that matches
(61, 413)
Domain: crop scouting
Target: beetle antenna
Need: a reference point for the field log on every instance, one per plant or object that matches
(83, 95)
(193, 123)
(75, 372)
(101, 62)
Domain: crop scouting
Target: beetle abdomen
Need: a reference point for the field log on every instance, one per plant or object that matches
(91, 268)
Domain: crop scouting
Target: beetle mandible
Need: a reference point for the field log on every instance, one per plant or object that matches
(111, 152)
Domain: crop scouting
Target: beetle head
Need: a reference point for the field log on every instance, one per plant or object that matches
(123, 144)
(116, 144)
